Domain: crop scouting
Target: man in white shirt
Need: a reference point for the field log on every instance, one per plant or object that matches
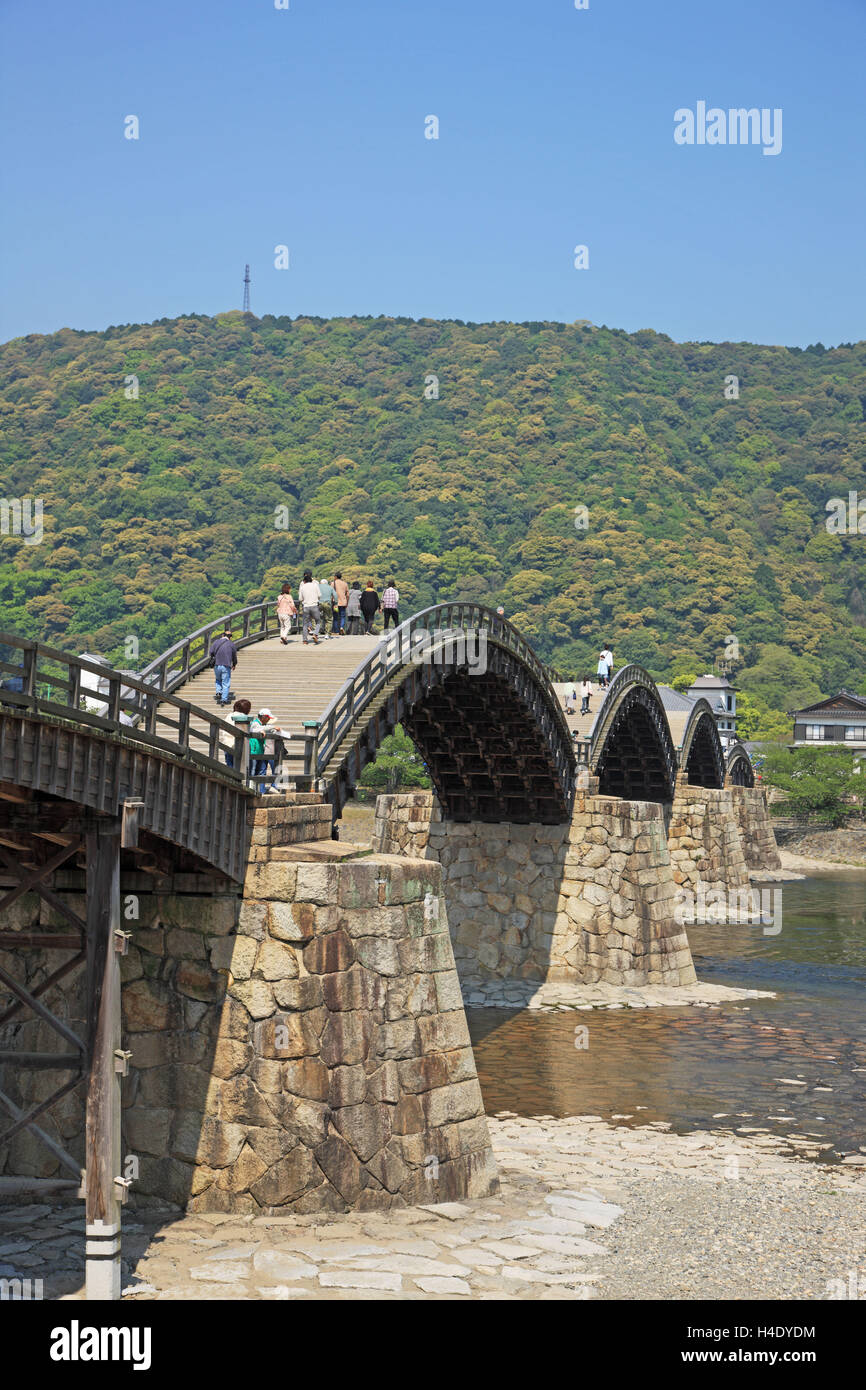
(309, 595)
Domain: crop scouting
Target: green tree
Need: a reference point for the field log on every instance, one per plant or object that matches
(397, 764)
(819, 784)
(755, 720)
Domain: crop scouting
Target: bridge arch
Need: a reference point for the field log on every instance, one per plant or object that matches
(702, 757)
(479, 706)
(631, 749)
(739, 767)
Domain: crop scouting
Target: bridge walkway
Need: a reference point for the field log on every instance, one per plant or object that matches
(296, 683)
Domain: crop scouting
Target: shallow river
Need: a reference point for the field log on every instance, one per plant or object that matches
(731, 1066)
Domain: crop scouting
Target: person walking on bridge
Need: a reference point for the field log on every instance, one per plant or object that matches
(327, 599)
(390, 599)
(341, 589)
(605, 666)
(353, 609)
(224, 658)
(370, 606)
(308, 593)
(585, 695)
(286, 612)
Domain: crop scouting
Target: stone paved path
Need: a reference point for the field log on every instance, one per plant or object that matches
(587, 1210)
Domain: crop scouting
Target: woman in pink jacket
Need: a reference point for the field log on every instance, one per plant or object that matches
(286, 612)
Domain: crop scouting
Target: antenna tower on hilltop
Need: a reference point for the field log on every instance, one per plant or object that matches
(246, 289)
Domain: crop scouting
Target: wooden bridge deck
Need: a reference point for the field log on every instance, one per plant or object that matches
(295, 682)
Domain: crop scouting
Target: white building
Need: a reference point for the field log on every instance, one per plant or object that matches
(722, 698)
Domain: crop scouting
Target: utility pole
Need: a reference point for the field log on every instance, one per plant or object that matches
(246, 289)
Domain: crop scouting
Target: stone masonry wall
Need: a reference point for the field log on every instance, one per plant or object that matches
(756, 829)
(584, 902)
(301, 1048)
(704, 839)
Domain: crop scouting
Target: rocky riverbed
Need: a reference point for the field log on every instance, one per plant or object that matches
(587, 1210)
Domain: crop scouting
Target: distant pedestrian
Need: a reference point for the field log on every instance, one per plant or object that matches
(585, 694)
(240, 720)
(605, 666)
(308, 593)
(370, 606)
(327, 600)
(223, 658)
(390, 599)
(353, 610)
(342, 591)
(570, 700)
(286, 612)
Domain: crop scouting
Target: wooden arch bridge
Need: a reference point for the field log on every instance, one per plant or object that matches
(96, 764)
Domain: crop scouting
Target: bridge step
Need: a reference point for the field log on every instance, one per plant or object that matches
(296, 682)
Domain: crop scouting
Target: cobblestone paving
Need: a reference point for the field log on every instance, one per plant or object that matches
(587, 1210)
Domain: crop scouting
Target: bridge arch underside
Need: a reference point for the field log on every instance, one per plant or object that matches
(702, 758)
(741, 773)
(494, 743)
(637, 760)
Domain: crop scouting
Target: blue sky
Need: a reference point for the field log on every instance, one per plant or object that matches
(305, 127)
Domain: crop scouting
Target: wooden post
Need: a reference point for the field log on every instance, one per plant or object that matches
(103, 1144)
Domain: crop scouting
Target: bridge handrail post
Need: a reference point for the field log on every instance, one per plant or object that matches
(183, 726)
(311, 748)
(113, 710)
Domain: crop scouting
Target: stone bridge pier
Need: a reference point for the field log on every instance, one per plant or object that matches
(585, 902)
(299, 1045)
(590, 901)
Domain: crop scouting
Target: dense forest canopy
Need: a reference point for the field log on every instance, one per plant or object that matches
(191, 465)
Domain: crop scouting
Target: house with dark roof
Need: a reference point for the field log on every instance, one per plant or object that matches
(840, 719)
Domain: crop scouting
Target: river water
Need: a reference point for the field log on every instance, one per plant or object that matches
(792, 1065)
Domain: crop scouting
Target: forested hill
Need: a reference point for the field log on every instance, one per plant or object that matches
(256, 447)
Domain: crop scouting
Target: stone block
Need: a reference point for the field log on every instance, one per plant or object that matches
(443, 1032)
(147, 1006)
(329, 953)
(366, 1128)
(236, 954)
(307, 1077)
(398, 1039)
(384, 1084)
(346, 1038)
(317, 883)
(346, 1086)
(256, 996)
(286, 1180)
(292, 922)
(341, 1167)
(355, 988)
(276, 961)
(289, 1035)
(273, 882)
(379, 954)
(458, 1101)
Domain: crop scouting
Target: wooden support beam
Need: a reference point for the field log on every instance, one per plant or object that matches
(102, 1142)
(39, 941)
(25, 1120)
(43, 1061)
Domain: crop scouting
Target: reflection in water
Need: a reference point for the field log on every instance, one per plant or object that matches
(688, 1065)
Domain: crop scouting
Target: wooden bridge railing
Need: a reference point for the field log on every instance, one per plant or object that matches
(46, 681)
